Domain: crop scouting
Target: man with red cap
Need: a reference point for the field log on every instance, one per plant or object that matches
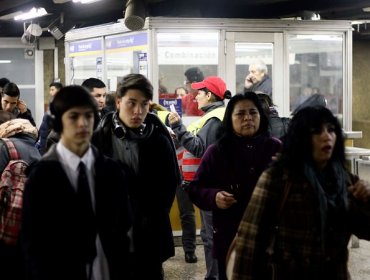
(195, 139)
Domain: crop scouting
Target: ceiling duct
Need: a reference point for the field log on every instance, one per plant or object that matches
(31, 33)
(135, 14)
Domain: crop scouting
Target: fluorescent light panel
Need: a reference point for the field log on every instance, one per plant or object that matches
(5, 61)
(33, 13)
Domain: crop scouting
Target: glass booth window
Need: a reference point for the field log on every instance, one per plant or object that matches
(247, 54)
(86, 60)
(316, 66)
(183, 58)
(125, 54)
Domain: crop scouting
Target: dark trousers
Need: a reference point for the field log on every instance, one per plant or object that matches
(187, 217)
(140, 267)
(12, 264)
(206, 233)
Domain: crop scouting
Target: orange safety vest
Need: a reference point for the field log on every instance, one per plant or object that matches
(190, 163)
(162, 115)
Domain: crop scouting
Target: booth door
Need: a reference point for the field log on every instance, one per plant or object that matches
(243, 48)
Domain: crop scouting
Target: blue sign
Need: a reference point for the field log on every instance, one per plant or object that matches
(85, 46)
(127, 41)
(167, 102)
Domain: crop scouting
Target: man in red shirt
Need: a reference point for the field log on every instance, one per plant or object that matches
(189, 104)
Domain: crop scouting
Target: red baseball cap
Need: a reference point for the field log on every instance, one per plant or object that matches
(215, 84)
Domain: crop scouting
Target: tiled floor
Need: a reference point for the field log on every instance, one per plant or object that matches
(177, 269)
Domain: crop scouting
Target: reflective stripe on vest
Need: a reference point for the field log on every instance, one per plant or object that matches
(190, 163)
(180, 154)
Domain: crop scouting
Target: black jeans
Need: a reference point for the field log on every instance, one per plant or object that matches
(187, 217)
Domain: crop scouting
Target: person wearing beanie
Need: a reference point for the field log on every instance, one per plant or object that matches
(189, 104)
(211, 93)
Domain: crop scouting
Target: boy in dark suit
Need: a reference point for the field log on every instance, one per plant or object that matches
(75, 218)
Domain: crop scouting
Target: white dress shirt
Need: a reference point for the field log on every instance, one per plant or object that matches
(70, 162)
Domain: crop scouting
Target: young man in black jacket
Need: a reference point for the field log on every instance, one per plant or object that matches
(143, 146)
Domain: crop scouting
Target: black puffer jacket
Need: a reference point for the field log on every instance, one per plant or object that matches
(152, 186)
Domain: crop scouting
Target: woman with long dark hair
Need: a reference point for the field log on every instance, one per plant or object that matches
(230, 169)
(305, 235)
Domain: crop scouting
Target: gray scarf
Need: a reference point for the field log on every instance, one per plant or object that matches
(337, 196)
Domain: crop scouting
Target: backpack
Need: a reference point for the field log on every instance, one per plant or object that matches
(12, 183)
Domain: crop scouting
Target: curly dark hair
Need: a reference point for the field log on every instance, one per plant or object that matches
(297, 145)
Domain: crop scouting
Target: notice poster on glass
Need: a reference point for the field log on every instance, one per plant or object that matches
(99, 68)
(171, 103)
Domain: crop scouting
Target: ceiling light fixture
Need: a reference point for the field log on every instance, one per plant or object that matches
(33, 13)
(366, 9)
(5, 61)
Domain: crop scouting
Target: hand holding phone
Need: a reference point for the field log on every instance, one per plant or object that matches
(22, 106)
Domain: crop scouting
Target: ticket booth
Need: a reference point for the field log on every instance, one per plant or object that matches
(303, 57)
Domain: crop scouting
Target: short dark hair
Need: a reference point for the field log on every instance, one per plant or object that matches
(67, 98)
(194, 74)
(266, 102)
(56, 85)
(11, 89)
(3, 82)
(92, 83)
(135, 81)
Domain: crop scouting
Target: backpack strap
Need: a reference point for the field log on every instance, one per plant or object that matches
(13, 154)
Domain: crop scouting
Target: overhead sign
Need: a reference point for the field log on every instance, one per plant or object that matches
(186, 55)
(86, 47)
(127, 42)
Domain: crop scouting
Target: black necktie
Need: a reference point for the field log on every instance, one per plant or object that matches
(88, 228)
